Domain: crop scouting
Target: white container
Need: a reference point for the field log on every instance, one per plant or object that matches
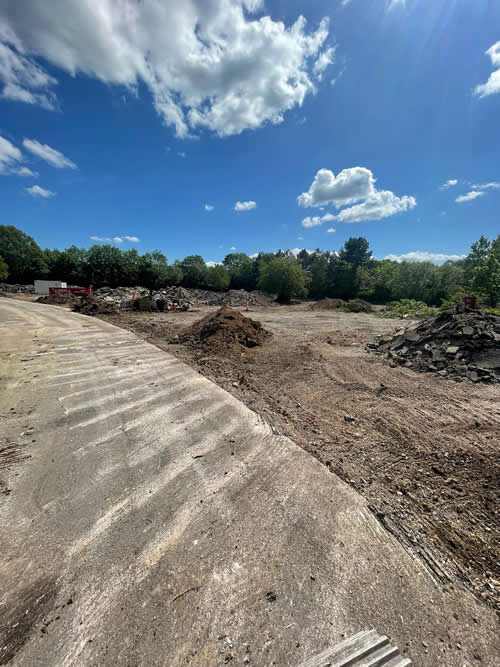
(42, 286)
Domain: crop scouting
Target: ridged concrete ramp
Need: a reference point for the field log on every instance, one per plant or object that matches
(149, 518)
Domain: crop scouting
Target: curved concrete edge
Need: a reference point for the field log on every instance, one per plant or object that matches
(180, 526)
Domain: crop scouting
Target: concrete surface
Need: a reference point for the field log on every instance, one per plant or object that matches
(152, 519)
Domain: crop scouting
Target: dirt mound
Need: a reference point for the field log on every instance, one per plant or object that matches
(353, 306)
(63, 299)
(459, 343)
(328, 304)
(93, 305)
(225, 328)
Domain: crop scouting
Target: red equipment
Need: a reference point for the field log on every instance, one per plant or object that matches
(80, 291)
(470, 301)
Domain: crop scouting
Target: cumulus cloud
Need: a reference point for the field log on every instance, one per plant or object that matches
(449, 184)
(470, 196)
(209, 207)
(423, 256)
(115, 239)
(317, 220)
(211, 264)
(356, 184)
(37, 191)
(220, 65)
(382, 204)
(24, 171)
(50, 155)
(492, 86)
(245, 205)
(331, 230)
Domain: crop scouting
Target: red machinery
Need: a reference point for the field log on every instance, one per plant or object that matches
(79, 291)
(470, 302)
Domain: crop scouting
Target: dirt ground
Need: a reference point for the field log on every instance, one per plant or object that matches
(422, 450)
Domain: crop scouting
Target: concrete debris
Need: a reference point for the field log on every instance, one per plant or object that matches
(61, 299)
(17, 289)
(460, 343)
(94, 305)
(182, 298)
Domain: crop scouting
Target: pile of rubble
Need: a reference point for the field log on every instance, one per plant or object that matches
(459, 343)
(223, 329)
(182, 298)
(59, 299)
(17, 289)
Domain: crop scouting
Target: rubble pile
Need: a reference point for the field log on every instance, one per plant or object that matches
(182, 298)
(94, 305)
(225, 328)
(17, 289)
(459, 343)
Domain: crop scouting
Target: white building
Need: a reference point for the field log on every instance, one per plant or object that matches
(42, 286)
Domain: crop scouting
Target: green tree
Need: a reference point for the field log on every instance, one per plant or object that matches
(486, 278)
(153, 270)
(319, 276)
(284, 277)
(24, 257)
(477, 256)
(217, 278)
(240, 269)
(4, 269)
(356, 252)
(194, 271)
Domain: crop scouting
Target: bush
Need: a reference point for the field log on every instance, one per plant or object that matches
(357, 306)
(409, 308)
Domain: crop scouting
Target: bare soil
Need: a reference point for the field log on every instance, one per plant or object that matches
(421, 449)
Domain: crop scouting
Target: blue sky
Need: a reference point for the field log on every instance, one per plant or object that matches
(132, 117)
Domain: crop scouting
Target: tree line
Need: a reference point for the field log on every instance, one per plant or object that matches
(348, 273)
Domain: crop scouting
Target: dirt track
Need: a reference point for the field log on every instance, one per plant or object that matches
(422, 450)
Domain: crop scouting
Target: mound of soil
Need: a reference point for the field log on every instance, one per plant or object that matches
(353, 306)
(358, 306)
(459, 343)
(225, 328)
(63, 299)
(328, 304)
(93, 305)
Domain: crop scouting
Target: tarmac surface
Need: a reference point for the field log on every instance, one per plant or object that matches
(147, 517)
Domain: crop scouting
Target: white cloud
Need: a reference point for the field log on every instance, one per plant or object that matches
(37, 191)
(117, 239)
(487, 186)
(470, 196)
(325, 59)
(423, 256)
(316, 220)
(10, 155)
(449, 184)
(181, 154)
(382, 204)
(207, 64)
(245, 205)
(132, 239)
(210, 264)
(50, 155)
(331, 230)
(300, 238)
(232, 248)
(349, 186)
(209, 207)
(23, 79)
(393, 3)
(356, 184)
(492, 86)
(24, 171)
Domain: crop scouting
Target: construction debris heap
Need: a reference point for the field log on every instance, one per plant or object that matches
(459, 343)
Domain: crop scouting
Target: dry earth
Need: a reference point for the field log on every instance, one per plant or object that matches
(422, 450)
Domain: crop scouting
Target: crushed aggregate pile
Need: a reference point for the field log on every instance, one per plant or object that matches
(224, 329)
(459, 343)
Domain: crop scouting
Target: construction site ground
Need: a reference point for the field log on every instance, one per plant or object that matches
(422, 450)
